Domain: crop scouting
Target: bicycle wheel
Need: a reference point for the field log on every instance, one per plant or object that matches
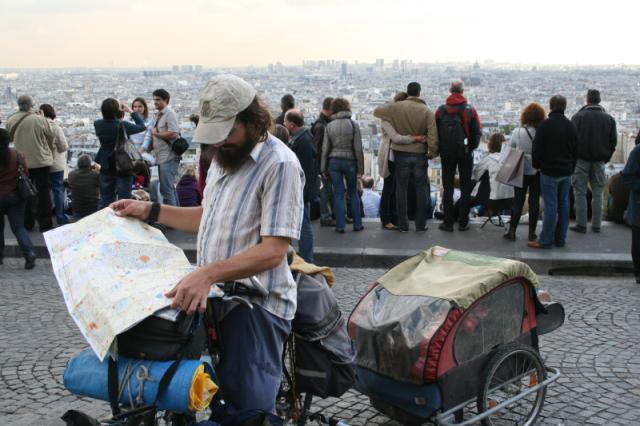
(512, 370)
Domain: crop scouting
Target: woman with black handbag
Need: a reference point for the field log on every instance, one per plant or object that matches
(12, 170)
(113, 183)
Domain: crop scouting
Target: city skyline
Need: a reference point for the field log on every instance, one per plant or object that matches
(155, 34)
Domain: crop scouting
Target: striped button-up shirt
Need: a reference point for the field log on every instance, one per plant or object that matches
(263, 198)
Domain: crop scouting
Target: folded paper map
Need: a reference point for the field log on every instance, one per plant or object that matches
(113, 273)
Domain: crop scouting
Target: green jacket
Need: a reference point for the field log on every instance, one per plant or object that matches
(411, 117)
(33, 138)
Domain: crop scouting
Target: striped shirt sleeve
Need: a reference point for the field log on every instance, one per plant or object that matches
(282, 201)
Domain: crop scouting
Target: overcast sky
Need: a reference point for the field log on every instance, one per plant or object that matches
(161, 33)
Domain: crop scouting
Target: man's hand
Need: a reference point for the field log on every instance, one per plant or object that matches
(155, 132)
(419, 139)
(192, 292)
(132, 208)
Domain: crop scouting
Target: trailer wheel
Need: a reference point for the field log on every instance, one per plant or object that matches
(510, 371)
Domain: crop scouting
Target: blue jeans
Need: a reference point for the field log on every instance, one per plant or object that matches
(408, 164)
(250, 368)
(56, 181)
(305, 244)
(341, 170)
(167, 173)
(108, 186)
(14, 208)
(555, 193)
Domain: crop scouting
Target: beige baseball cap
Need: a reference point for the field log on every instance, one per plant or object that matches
(222, 99)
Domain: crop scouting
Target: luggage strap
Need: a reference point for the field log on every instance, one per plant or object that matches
(112, 380)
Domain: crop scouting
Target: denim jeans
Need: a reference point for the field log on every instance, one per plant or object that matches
(305, 244)
(341, 170)
(592, 174)
(416, 165)
(108, 186)
(167, 173)
(56, 180)
(14, 208)
(326, 197)
(555, 193)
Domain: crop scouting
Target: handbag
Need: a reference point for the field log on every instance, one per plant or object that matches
(127, 158)
(26, 188)
(512, 168)
(179, 146)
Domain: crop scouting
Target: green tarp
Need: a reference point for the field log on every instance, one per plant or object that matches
(457, 276)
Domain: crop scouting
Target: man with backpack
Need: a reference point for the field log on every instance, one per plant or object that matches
(412, 117)
(459, 132)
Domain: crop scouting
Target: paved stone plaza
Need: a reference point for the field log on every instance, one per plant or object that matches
(598, 350)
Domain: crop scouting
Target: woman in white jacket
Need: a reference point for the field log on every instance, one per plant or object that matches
(57, 169)
(522, 139)
(491, 163)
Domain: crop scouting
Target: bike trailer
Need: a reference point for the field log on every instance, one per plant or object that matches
(426, 332)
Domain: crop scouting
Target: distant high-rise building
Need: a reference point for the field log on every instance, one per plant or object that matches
(187, 68)
(279, 67)
(270, 68)
(343, 70)
(155, 73)
(176, 68)
(198, 68)
(396, 64)
(380, 64)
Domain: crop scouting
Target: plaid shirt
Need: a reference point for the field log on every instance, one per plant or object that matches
(261, 199)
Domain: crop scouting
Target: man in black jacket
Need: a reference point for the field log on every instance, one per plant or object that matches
(301, 143)
(554, 154)
(598, 138)
(326, 193)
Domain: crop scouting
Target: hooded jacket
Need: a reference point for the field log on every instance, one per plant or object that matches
(597, 134)
(471, 124)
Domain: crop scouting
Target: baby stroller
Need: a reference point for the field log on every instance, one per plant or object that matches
(451, 337)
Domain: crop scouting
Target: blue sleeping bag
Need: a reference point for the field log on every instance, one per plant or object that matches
(85, 375)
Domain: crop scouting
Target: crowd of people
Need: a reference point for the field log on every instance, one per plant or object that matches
(559, 155)
(259, 189)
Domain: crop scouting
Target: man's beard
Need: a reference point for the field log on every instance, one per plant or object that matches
(232, 157)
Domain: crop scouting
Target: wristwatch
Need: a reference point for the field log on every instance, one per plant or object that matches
(154, 213)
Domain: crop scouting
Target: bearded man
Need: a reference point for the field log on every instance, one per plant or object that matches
(252, 209)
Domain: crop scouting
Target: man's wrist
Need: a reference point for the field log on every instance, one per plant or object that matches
(154, 212)
(209, 271)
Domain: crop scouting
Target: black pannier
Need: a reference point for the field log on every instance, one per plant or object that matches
(324, 353)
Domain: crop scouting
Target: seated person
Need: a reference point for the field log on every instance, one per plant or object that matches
(491, 164)
(370, 199)
(84, 184)
(187, 189)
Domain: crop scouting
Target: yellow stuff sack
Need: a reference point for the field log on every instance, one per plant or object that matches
(202, 390)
